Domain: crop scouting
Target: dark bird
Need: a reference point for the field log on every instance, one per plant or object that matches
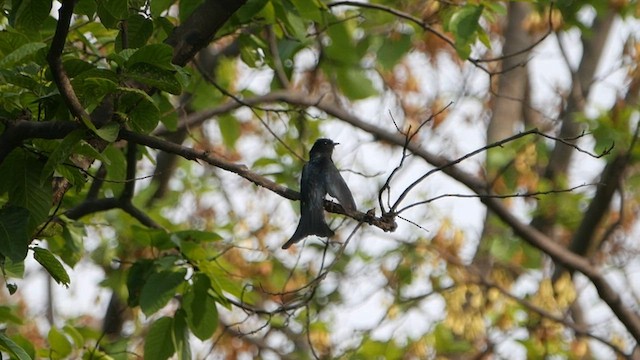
(319, 178)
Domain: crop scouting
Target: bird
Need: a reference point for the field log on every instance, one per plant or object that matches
(319, 178)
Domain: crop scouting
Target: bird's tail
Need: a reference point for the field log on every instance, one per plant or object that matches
(309, 225)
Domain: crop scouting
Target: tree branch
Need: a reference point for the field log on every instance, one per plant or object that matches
(397, 13)
(200, 27)
(384, 223)
(17, 132)
(54, 57)
(124, 202)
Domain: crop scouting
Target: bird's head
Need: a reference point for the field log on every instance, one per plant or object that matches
(322, 147)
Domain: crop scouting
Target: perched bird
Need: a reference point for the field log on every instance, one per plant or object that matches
(319, 178)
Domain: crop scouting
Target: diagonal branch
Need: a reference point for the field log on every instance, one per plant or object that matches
(54, 57)
(197, 31)
(384, 223)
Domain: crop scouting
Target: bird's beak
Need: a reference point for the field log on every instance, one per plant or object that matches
(334, 144)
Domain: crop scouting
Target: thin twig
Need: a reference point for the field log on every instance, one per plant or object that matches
(499, 143)
(528, 194)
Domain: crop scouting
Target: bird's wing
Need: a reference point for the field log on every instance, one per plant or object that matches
(337, 187)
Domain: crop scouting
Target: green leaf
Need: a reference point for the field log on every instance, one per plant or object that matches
(446, 342)
(20, 53)
(12, 288)
(52, 229)
(152, 237)
(194, 251)
(370, 349)
(154, 76)
(202, 314)
(185, 8)
(296, 26)
(69, 245)
(158, 7)
(14, 235)
(61, 153)
(252, 50)
(118, 9)
(116, 169)
(230, 129)
(106, 18)
(159, 55)
(87, 150)
(52, 265)
(109, 132)
(247, 11)
(19, 79)
(93, 85)
(60, 346)
(86, 7)
(394, 48)
(181, 336)
(158, 344)
(28, 192)
(75, 335)
(159, 288)
(341, 48)
(310, 9)
(136, 279)
(464, 25)
(9, 346)
(13, 268)
(7, 315)
(139, 30)
(355, 83)
(168, 114)
(141, 110)
(30, 15)
(220, 281)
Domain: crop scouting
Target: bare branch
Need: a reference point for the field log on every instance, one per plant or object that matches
(408, 136)
(397, 13)
(499, 143)
(528, 194)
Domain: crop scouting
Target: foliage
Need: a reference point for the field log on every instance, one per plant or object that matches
(123, 149)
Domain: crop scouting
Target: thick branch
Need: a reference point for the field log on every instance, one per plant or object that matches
(17, 132)
(384, 223)
(599, 205)
(90, 206)
(512, 84)
(200, 27)
(54, 57)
